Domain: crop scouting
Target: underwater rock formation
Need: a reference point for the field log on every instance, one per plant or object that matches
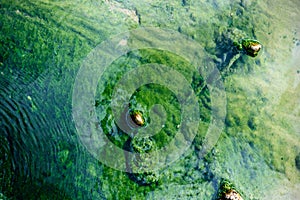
(251, 47)
(142, 161)
(231, 44)
(227, 191)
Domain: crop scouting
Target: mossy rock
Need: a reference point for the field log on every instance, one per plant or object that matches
(227, 191)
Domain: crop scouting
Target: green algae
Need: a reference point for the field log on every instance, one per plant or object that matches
(48, 47)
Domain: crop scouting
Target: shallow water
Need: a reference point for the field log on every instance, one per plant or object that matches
(64, 120)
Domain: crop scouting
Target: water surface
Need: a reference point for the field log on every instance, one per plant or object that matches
(43, 46)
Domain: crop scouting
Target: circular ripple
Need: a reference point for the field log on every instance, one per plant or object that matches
(93, 67)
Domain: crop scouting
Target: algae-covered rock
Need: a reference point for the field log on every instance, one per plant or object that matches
(227, 191)
(142, 145)
(141, 163)
(251, 47)
(231, 44)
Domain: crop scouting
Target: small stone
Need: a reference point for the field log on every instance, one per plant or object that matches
(227, 191)
(252, 47)
(256, 47)
(137, 118)
(233, 195)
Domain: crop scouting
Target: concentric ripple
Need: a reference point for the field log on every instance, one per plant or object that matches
(93, 69)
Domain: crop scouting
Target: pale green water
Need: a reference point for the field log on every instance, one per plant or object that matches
(43, 46)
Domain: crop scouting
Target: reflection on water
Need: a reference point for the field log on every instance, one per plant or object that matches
(43, 45)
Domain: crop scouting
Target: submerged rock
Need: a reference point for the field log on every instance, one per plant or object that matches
(142, 145)
(146, 178)
(137, 117)
(232, 195)
(227, 191)
(232, 43)
(140, 164)
(251, 47)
